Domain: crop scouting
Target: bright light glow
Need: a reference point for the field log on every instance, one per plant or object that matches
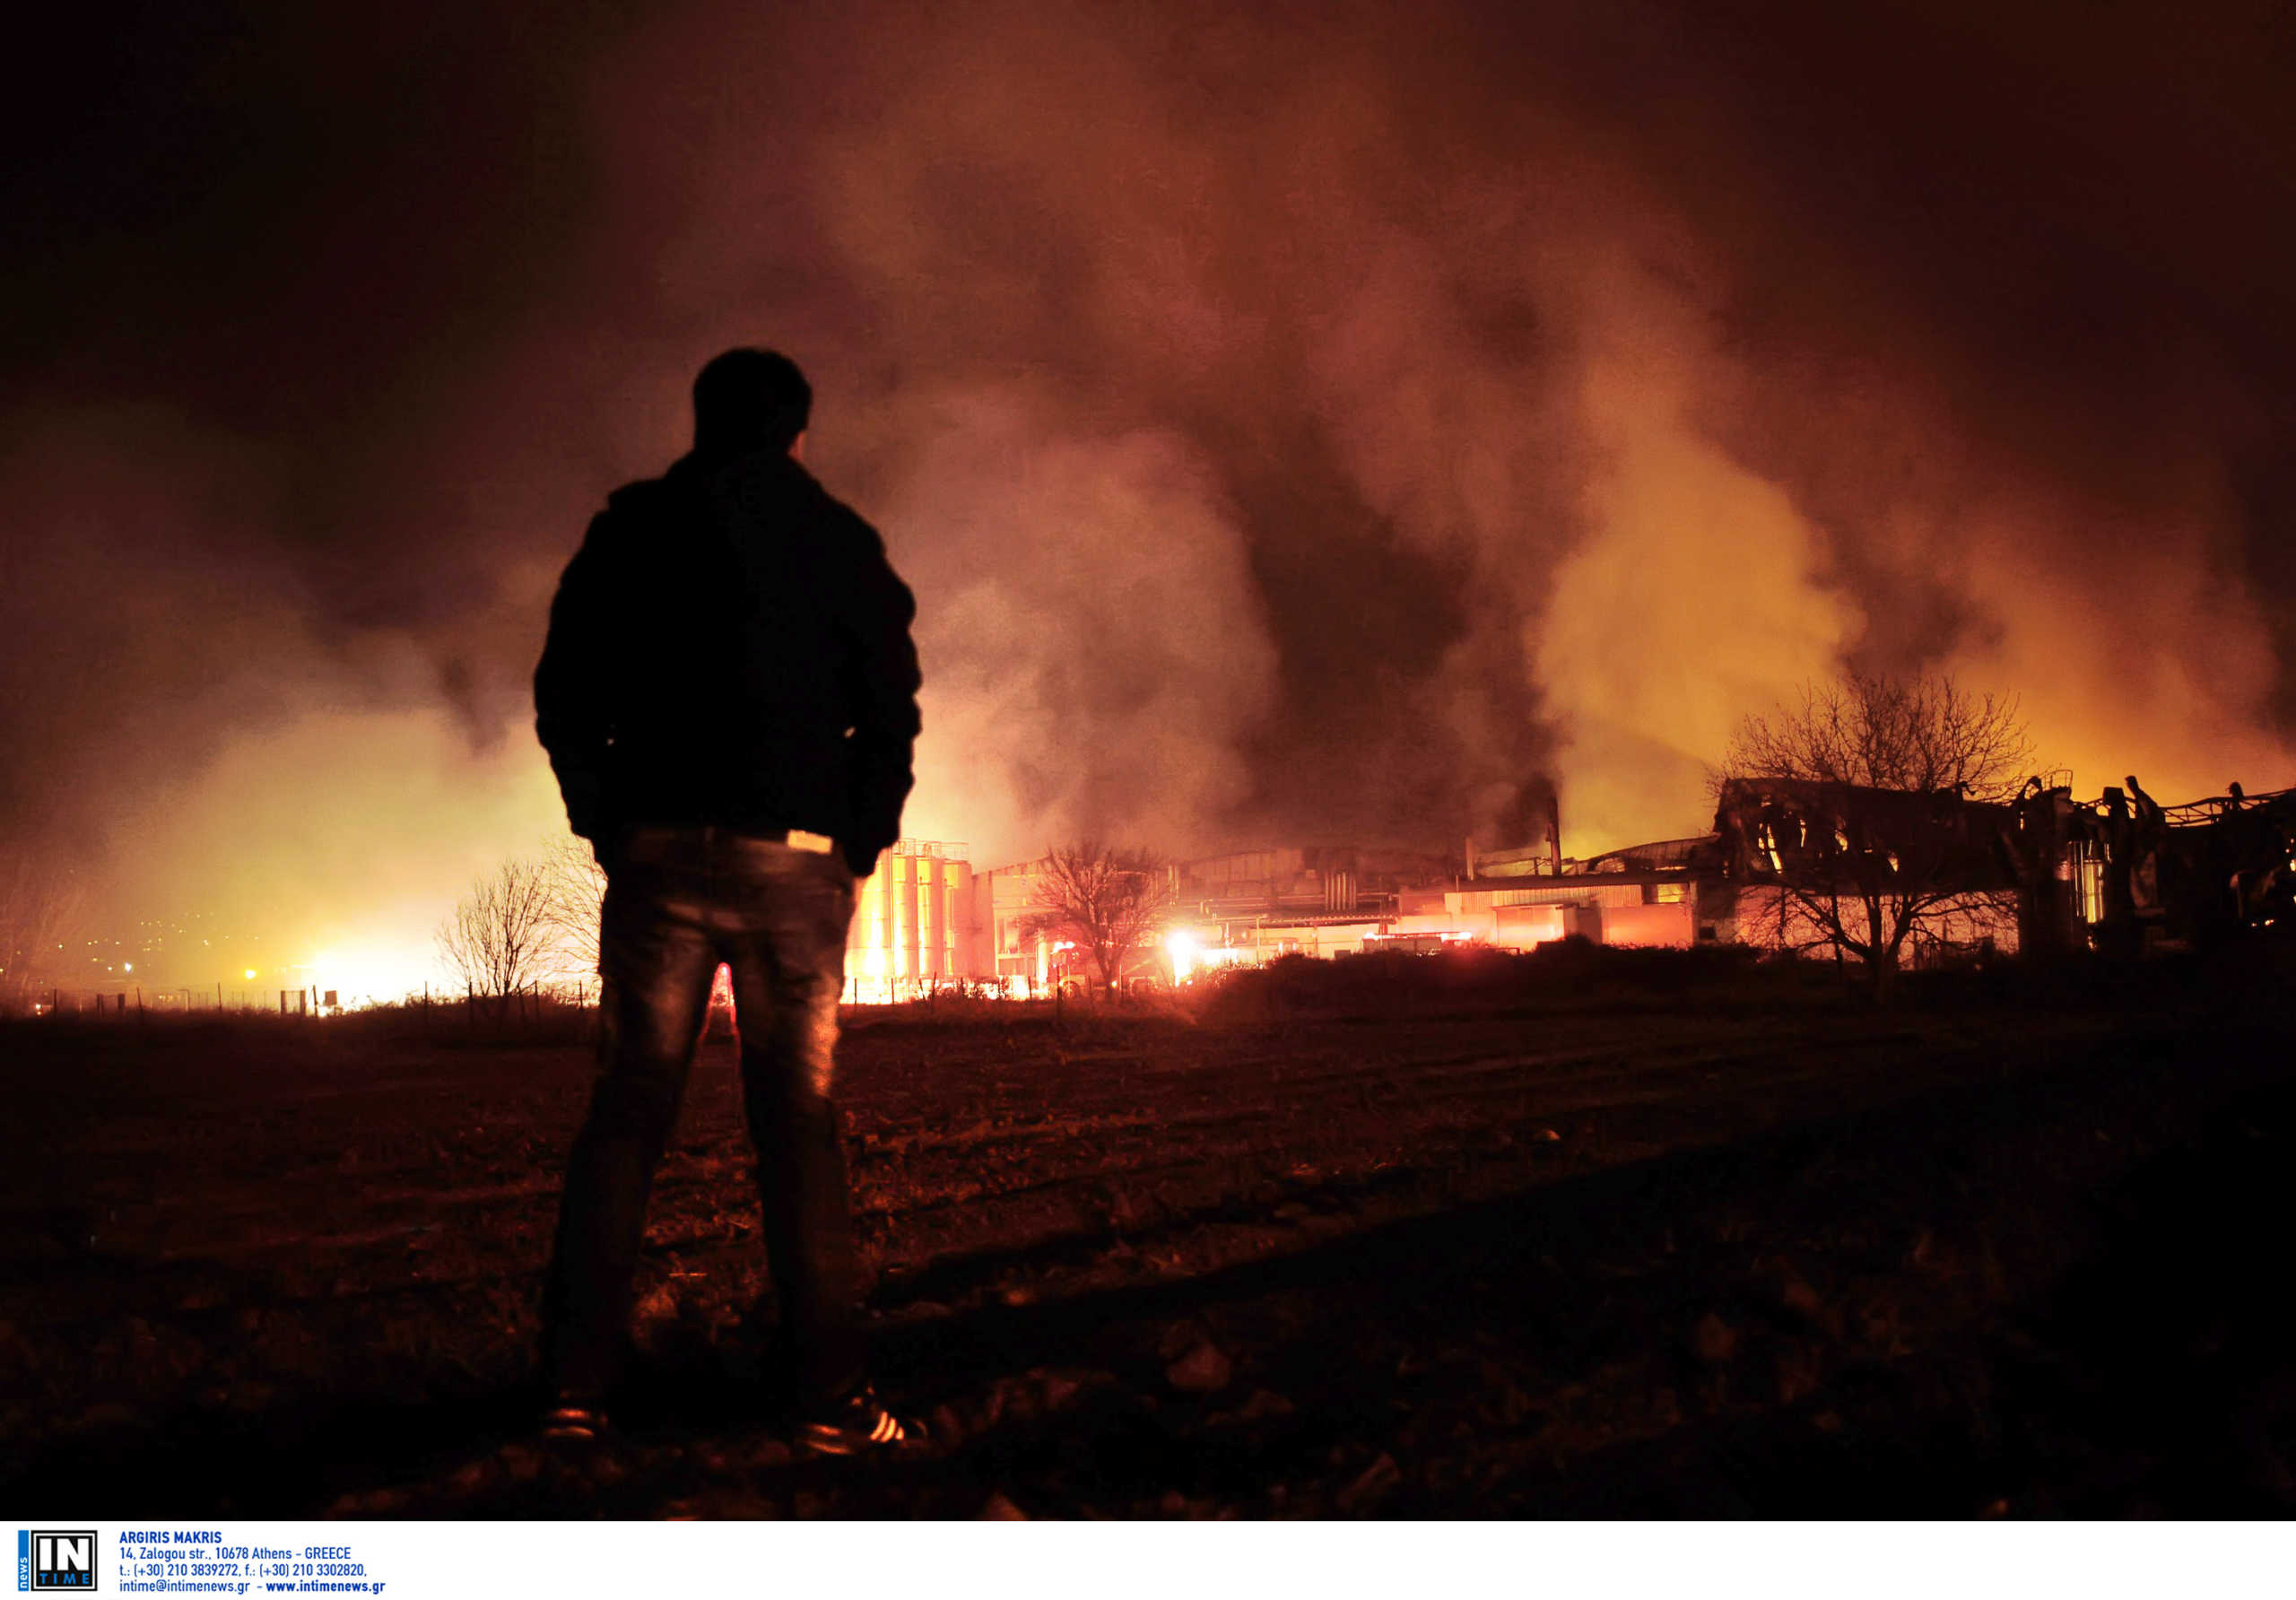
(369, 974)
(127, 966)
(250, 974)
(1181, 946)
(1191, 956)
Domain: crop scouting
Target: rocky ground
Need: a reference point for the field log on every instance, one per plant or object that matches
(1577, 1238)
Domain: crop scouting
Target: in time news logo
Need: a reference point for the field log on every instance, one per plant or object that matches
(46, 1559)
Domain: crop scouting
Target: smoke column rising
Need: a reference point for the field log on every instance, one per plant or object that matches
(1306, 422)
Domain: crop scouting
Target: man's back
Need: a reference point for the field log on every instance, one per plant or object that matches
(721, 632)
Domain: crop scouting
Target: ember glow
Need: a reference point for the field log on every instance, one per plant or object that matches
(1339, 423)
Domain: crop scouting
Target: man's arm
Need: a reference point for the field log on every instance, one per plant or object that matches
(879, 677)
(573, 696)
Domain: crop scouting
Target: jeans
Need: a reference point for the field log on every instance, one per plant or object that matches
(679, 900)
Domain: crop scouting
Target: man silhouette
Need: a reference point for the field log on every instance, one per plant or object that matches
(728, 697)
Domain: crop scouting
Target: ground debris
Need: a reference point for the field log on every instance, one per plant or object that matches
(1803, 1305)
(948, 1429)
(1713, 1340)
(1203, 1369)
(1371, 1485)
(1263, 1403)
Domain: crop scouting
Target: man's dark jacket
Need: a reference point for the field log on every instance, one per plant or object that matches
(730, 647)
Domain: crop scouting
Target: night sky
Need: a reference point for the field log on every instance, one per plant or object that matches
(1300, 422)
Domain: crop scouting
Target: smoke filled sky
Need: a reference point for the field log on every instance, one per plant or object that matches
(1300, 422)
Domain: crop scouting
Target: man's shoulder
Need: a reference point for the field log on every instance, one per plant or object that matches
(759, 492)
(792, 482)
(800, 501)
(641, 496)
(635, 519)
(845, 520)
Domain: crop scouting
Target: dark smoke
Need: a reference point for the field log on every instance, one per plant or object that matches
(1331, 422)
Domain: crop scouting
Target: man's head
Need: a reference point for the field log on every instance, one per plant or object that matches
(748, 400)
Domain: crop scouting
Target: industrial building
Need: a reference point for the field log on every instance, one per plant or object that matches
(2043, 873)
(914, 926)
(927, 920)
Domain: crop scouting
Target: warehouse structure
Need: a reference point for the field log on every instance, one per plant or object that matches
(927, 920)
(2042, 873)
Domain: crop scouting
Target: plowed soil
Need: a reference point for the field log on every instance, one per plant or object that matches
(1572, 1247)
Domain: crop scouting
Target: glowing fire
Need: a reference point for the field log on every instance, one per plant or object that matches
(1191, 955)
(368, 974)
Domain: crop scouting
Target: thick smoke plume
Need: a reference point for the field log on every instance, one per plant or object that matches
(1312, 422)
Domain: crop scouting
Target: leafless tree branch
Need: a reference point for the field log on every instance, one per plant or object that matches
(576, 887)
(1876, 883)
(499, 939)
(1109, 901)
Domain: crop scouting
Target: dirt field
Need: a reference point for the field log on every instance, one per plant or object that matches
(1585, 1240)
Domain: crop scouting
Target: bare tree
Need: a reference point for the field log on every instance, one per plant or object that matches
(498, 938)
(1109, 901)
(38, 897)
(577, 888)
(1857, 804)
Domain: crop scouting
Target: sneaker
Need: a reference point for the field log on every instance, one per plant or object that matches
(574, 1421)
(857, 1423)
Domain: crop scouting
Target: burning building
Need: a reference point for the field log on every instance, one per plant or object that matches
(1790, 867)
(2042, 873)
(2121, 875)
